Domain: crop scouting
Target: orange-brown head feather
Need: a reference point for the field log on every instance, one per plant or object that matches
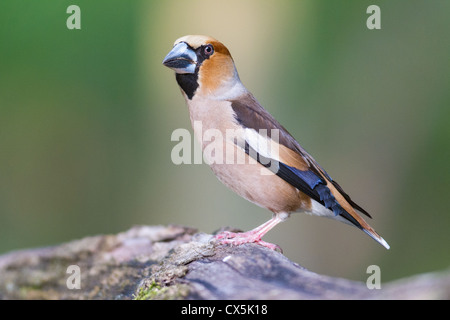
(218, 70)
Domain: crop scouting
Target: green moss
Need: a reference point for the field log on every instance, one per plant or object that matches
(154, 291)
(149, 292)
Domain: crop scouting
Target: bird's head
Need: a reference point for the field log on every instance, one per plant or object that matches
(203, 66)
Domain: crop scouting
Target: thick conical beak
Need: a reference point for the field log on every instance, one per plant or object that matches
(182, 59)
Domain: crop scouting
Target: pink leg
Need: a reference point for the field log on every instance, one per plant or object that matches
(254, 235)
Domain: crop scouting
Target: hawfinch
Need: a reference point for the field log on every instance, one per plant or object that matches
(248, 150)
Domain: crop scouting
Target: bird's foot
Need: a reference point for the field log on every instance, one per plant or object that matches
(227, 237)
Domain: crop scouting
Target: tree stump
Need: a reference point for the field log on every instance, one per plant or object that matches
(176, 262)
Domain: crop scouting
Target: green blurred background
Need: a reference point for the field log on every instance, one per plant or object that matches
(86, 118)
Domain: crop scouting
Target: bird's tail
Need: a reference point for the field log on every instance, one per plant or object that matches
(357, 221)
(375, 236)
(349, 214)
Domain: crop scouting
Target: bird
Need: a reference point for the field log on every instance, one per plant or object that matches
(275, 171)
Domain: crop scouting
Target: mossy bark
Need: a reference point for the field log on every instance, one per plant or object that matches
(176, 262)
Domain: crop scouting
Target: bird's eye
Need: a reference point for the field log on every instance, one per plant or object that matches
(208, 50)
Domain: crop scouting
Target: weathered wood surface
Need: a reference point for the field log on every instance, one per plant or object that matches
(175, 262)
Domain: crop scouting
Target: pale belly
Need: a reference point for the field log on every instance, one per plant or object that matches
(257, 184)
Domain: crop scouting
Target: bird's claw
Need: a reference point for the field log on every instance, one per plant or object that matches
(232, 238)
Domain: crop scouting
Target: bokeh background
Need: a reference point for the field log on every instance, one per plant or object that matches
(86, 118)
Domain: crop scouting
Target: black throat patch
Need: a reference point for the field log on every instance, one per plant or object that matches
(188, 83)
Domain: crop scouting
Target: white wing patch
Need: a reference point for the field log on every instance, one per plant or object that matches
(266, 146)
